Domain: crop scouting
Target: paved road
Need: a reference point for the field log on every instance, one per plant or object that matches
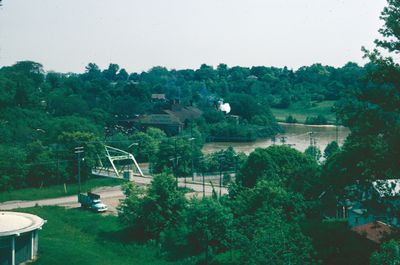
(107, 193)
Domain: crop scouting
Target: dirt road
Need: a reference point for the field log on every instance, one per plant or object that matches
(110, 196)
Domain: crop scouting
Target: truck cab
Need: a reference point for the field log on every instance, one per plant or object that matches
(98, 206)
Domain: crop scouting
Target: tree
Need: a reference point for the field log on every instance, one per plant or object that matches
(388, 254)
(204, 228)
(92, 71)
(313, 152)
(13, 168)
(111, 72)
(372, 111)
(296, 171)
(176, 154)
(266, 225)
(122, 75)
(331, 149)
(150, 212)
(91, 146)
(277, 242)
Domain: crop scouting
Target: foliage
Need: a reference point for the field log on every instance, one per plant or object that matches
(314, 152)
(38, 108)
(372, 111)
(150, 212)
(388, 254)
(331, 149)
(277, 241)
(296, 171)
(147, 144)
(176, 154)
(335, 243)
(291, 119)
(318, 120)
(266, 221)
(203, 228)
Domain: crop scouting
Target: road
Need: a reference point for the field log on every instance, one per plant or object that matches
(111, 195)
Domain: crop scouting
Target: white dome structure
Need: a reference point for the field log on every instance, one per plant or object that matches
(18, 237)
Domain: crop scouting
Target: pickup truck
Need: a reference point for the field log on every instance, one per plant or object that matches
(92, 201)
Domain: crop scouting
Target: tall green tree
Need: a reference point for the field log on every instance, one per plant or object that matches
(150, 212)
(373, 112)
(294, 170)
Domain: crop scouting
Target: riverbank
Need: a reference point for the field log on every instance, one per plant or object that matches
(311, 125)
(296, 135)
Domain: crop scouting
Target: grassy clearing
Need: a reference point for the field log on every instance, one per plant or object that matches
(300, 112)
(56, 190)
(77, 236)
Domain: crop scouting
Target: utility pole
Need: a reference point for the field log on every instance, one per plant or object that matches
(337, 129)
(311, 138)
(175, 165)
(273, 140)
(220, 173)
(315, 150)
(78, 152)
(191, 147)
(202, 165)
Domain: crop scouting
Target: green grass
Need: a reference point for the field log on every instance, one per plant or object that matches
(56, 190)
(76, 236)
(300, 112)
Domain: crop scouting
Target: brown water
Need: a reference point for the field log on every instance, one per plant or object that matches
(297, 135)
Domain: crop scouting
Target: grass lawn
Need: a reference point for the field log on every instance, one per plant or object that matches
(300, 112)
(76, 236)
(56, 190)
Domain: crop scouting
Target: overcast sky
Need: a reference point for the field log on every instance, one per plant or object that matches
(65, 35)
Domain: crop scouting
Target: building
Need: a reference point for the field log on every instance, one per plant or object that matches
(372, 201)
(170, 124)
(18, 237)
(374, 231)
(184, 114)
(158, 97)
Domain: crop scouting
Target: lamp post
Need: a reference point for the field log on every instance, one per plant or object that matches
(129, 165)
(78, 151)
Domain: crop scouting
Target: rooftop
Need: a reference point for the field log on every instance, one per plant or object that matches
(13, 223)
(375, 231)
(161, 119)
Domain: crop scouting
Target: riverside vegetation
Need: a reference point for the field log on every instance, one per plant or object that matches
(273, 212)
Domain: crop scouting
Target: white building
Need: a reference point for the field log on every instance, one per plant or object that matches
(18, 237)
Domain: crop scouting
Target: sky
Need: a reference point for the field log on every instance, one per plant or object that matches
(66, 35)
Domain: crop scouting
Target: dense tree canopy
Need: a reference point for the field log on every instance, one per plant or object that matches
(297, 171)
(373, 112)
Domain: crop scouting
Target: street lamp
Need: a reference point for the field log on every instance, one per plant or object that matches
(133, 144)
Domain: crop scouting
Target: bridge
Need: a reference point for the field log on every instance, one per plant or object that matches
(116, 163)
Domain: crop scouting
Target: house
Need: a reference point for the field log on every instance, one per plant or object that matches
(170, 124)
(184, 114)
(158, 97)
(372, 201)
(374, 231)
